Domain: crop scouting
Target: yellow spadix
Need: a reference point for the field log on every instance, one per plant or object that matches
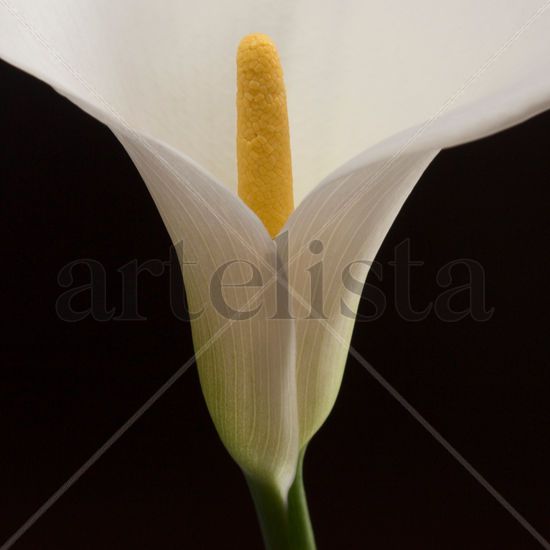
(263, 138)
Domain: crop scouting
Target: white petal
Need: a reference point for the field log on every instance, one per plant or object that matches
(139, 70)
(351, 213)
(361, 72)
(246, 367)
(350, 218)
(166, 69)
(356, 72)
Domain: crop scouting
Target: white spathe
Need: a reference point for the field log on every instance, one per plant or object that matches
(375, 90)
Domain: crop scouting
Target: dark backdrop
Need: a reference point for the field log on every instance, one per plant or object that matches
(375, 477)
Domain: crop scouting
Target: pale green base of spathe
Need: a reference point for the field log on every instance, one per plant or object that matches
(284, 525)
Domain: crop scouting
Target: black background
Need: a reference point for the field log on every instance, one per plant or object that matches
(375, 477)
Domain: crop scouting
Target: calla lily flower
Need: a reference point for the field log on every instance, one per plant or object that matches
(375, 90)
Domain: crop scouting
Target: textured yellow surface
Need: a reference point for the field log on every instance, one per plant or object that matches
(263, 139)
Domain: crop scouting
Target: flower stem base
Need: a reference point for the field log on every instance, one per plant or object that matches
(284, 525)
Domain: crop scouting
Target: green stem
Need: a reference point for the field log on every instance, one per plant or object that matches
(285, 525)
(301, 532)
(272, 514)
